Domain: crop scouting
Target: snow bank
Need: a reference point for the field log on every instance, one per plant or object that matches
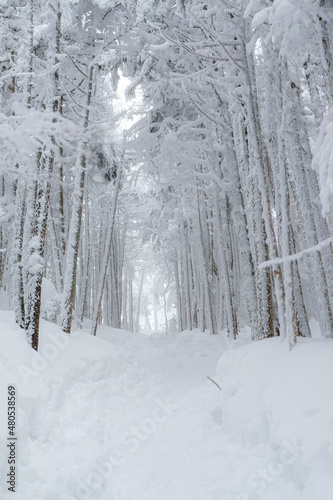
(280, 401)
(55, 391)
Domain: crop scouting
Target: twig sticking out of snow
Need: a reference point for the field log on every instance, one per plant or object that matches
(217, 385)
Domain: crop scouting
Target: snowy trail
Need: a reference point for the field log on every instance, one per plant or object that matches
(161, 446)
(133, 417)
(187, 456)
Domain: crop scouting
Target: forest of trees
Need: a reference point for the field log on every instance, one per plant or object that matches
(226, 172)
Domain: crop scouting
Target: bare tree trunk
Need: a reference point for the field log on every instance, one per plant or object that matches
(16, 258)
(137, 321)
(130, 305)
(35, 263)
(178, 293)
(106, 258)
(75, 226)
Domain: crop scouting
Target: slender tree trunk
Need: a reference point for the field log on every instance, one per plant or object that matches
(18, 286)
(137, 320)
(35, 263)
(76, 219)
(106, 259)
(130, 305)
(178, 293)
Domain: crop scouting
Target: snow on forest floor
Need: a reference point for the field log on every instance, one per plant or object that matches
(134, 417)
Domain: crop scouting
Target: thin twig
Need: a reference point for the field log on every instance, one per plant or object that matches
(217, 385)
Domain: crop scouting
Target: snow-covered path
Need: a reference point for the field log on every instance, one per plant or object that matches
(134, 417)
(156, 440)
(170, 441)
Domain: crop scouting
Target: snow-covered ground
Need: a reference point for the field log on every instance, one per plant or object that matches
(134, 417)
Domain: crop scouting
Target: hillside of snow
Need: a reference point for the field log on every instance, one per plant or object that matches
(125, 416)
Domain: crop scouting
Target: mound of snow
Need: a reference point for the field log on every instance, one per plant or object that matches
(279, 401)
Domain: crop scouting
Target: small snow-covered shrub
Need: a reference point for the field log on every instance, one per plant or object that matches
(51, 302)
